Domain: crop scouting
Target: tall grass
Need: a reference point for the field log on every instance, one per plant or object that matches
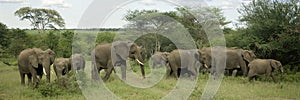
(232, 88)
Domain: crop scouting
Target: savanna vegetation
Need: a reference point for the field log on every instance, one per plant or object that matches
(271, 30)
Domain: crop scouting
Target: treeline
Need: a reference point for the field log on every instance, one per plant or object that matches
(13, 41)
(271, 29)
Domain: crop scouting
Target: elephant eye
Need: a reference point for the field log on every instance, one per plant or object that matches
(132, 52)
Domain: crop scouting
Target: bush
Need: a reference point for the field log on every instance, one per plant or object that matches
(292, 77)
(66, 85)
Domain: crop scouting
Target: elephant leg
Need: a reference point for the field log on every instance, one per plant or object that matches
(179, 73)
(267, 76)
(273, 77)
(168, 71)
(244, 69)
(29, 76)
(174, 68)
(95, 72)
(107, 75)
(108, 71)
(22, 75)
(40, 76)
(234, 72)
(35, 79)
(123, 70)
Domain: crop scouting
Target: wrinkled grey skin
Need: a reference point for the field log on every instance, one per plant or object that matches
(159, 59)
(183, 61)
(264, 66)
(31, 62)
(106, 56)
(236, 59)
(62, 66)
(78, 62)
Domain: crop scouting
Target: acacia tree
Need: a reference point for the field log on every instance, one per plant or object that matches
(154, 22)
(41, 18)
(147, 21)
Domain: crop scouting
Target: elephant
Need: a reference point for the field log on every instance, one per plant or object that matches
(62, 66)
(33, 62)
(264, 66)
(247, 55)
(78, 62)
(183, 61)
(106, 56)
(236, 58)
(159, 59)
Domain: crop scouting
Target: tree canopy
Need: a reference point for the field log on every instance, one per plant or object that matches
(41, 18)
(272, 29)
(153, 23)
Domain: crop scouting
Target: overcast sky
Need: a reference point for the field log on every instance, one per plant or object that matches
(73, 10)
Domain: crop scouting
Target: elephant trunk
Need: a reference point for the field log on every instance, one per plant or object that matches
(281, 72)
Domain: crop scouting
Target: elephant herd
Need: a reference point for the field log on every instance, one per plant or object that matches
(35, 62)
(194, 61)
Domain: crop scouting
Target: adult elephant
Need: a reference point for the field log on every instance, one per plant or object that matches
(264, 66)
(159, 59)
(185, 61)
(247, 55)
(106, 56)
(33, 62)
(235, 58)
(62, 66)
(78, 62)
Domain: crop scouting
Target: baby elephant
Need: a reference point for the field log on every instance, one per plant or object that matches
(264, 66)
(159, 59)
(78, 62)
(61, 67)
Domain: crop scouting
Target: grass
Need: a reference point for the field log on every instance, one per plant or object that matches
(231, 88)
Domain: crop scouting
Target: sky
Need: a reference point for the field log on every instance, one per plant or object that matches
(73, 11)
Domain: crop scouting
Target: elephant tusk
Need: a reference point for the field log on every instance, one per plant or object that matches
(44, 71)
(205, 66)
(139, 61)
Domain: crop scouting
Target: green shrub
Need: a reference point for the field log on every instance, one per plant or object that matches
(65, 85)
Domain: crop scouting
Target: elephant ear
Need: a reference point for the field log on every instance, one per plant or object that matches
(275, 64)
(120, 50)
(165, 55)
(247, 56)
(202, 54)
(33, 61)
(197, 56)
(51, 54)
(133, 47)
(68, 64)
